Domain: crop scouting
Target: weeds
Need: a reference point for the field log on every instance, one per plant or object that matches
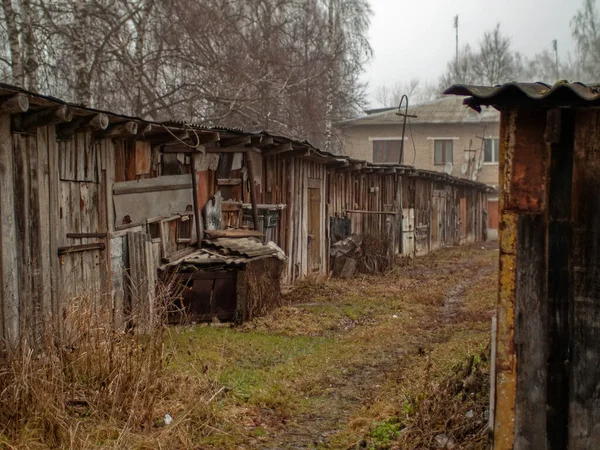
(82, 384)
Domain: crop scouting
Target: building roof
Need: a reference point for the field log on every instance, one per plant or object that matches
(561, 93)
(264, 140)
(447, 109)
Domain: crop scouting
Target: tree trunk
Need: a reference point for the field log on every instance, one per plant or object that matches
(83, 91)
(31, 62)
(13, 39)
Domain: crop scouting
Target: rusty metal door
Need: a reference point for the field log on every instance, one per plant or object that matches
(314, 229)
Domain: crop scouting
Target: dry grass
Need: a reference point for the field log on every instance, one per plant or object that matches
(81, 384)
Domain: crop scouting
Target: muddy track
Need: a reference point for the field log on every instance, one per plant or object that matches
(360, 385)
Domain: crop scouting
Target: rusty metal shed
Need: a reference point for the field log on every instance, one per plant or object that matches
(548, 340)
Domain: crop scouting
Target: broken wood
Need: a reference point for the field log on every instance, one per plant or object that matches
(14, 104)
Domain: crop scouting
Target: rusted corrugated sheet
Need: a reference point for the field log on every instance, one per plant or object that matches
(522, 94)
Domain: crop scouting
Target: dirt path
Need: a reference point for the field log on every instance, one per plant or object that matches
(320, 372)
(363, 383)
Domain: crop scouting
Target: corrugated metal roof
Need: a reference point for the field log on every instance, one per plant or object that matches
(249, 247)
(448, 109)
(229, 253)
(40, 101)
(560, 94)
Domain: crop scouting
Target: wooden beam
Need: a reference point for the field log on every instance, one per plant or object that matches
(170, 137)
(250, 167)
(238, 140)
(229, 181)
(85, 235)
(14, 104)
(296, 154)
(233, 149)
(286, 147)
(145, 129)
(34, 119)
(261, 141)
(360, 211)
(119, 129)
(197, 215)
(81, 248)
(82, 124)
(338, 163)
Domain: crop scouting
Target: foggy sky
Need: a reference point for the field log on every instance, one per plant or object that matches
(415, 38)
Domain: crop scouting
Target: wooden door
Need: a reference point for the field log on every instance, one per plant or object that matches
(314, 229)
(408, 231)
(493, 214)
(435, 222)
(463, 218)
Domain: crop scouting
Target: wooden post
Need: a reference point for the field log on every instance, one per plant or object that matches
(198, 216)
(250, 167)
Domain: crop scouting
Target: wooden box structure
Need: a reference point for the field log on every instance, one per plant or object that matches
(548, 340)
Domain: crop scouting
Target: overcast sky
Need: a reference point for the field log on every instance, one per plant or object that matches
(415, 38)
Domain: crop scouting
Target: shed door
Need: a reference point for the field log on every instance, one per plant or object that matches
(408, 231)
(436, 223)
(493, 214)
(314, 229)
(463, 217)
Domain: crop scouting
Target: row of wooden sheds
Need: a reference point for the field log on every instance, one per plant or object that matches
(93, 202)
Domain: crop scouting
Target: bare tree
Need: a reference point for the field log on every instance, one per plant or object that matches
(495, 62)
(585, 28)
(12, 27)
(416, 91)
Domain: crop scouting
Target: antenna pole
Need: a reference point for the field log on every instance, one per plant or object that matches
(456, 27)
(555, 47)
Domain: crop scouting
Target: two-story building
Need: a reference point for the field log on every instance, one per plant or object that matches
(442, 135)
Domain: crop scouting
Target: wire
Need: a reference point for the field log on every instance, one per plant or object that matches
(196, 145)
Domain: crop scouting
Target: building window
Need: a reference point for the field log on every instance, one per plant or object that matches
(443, 151)
(387, 151)
(490, 150)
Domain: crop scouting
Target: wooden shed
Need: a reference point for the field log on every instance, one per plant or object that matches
(548, 340)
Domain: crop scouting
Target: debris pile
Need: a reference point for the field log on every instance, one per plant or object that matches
(363, 254)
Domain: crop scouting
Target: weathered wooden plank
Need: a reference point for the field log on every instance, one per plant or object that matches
(54, 215)
(43, 212)
(9, 271)
(559, 284)
(142, 157)
(531, 329)
(584, 412)
(141, 279)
